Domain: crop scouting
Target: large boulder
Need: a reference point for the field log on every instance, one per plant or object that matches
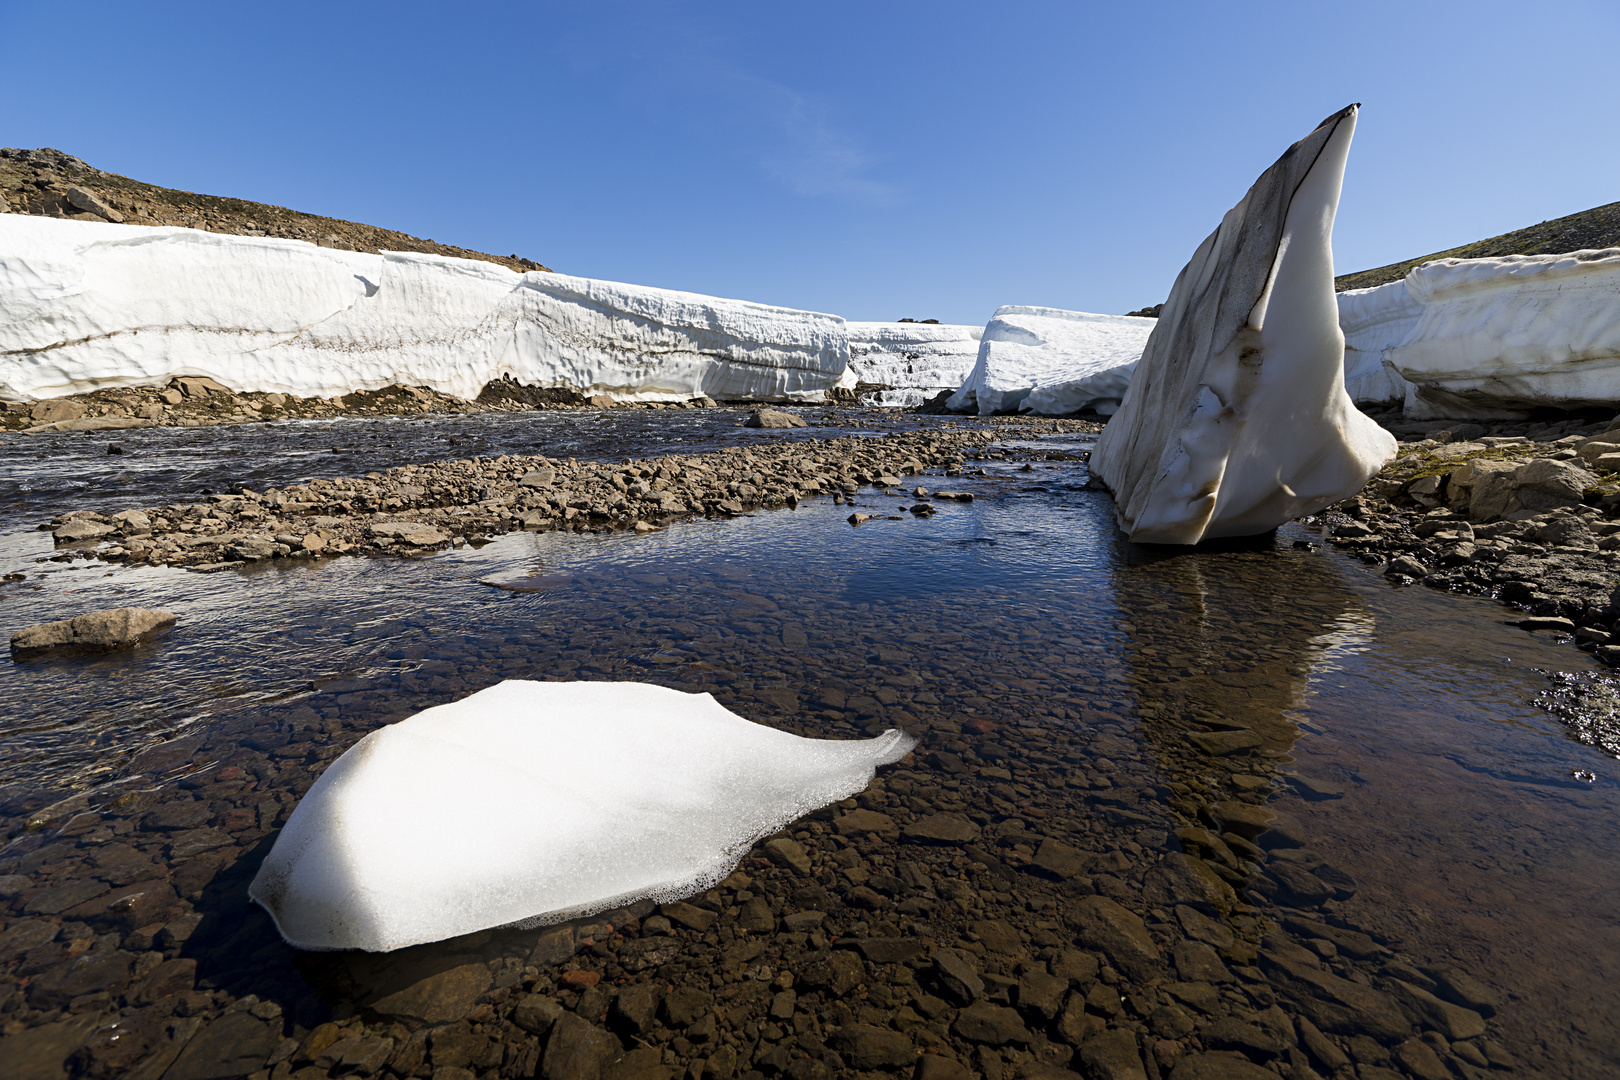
(1237, 418)
(97, 631)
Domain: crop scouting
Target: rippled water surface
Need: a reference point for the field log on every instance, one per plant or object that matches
(1450, 796)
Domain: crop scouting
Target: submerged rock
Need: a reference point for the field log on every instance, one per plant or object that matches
(97, 631)
(1237, 418)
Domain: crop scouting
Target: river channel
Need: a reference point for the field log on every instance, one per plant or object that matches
(1403, 740)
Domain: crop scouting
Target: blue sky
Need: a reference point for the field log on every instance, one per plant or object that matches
(877, 160)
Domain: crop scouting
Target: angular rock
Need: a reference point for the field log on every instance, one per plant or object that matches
(790, 854)
(838, 974)
(774, 418)
(96, 631)
(441, 998)
(1452, 1021)
(942, 829)
(956, 978)
(1219, 1066)
(991, 1025)
(865, 1047)
(1113, 1055)
(82, 529)
(861, 822)
(1334, 1004)
(235, 1045)
(578, 1050)
(1237, 419)
(1058, 860)
(1120, 934)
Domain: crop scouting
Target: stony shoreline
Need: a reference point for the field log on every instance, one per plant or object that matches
(1526, 513)
(423, 508)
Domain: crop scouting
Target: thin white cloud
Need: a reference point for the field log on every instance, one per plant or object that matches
(809, 154)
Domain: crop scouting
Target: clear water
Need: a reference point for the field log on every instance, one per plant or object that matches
(1460, 819)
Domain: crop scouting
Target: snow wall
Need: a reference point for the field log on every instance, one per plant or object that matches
(917, 359)
(1464, 338)
(85, 305)
(1052, 362)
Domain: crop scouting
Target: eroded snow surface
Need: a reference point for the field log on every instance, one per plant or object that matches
(1237, 419)
(537, 801)
(85, 305)
(1052, 362)
(1492, 337)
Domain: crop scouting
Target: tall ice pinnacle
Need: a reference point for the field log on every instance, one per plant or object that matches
(1237, 418)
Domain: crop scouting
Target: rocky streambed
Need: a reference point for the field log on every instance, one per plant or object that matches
(418, 508)
(1108, 857)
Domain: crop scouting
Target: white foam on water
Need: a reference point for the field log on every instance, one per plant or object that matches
(538, 801)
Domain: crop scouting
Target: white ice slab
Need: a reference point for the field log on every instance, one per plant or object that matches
(1052, 362)
(87, 304)
(538, 801)
(925, 356)
(1495, 337)
(1373, 320)
(1237, 419)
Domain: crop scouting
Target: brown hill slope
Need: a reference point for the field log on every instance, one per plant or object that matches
(53, 184)
(1598, 227)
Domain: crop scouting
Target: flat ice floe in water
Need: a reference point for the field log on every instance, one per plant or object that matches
(540, 801)
(1237, 419)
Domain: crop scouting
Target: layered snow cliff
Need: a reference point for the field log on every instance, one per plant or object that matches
(1489, 337)
(1052, 362)
(85, 305)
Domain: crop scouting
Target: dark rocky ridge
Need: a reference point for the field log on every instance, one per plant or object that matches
(42, 181)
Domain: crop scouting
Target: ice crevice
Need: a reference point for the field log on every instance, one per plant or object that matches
(531, 802)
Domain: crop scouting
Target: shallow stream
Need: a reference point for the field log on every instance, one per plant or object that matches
(1014, 626)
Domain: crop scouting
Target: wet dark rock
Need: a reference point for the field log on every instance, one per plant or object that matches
(1113, 1055)
(1323, 1049)
(578, 1050)
(1219, 1066)
(1249, 1039)
(84, 974)
(956, 978)
(885, 950)
(535, 1013)
(684, 1005)
(689, 916)
(38, 1053)
(865, 1047)
(1299, 886)
(438, 998)
(838, 974)
(235, 1045)
(1059, 861)
(1463, 989)
(54, 901)
(861, 822)
(1419, 1059)
(1451, 1020)
(992, 1025)
(1223, 743)
(1197, 962)
(1040, 995)
(790, 854)
(1335, 1004)
(1118, 933)
(940, 1067)
(635, 1009)
(944, 828)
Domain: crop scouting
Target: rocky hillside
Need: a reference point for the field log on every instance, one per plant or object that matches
(1598, 227)
(53, 184)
